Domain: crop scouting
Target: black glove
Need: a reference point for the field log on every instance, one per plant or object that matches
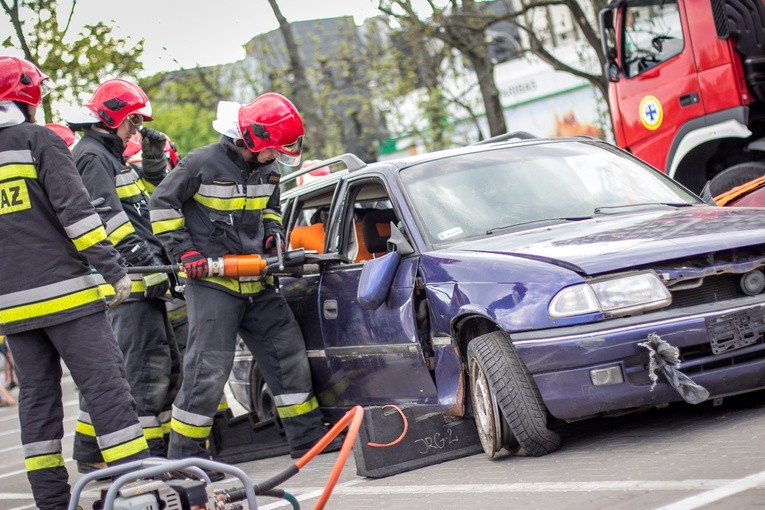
(269, 246)
(140, 255)
(152, 144)
(156, 285)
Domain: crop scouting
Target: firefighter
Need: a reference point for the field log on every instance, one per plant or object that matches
(51, 306)
(147, 144)
(224, 199)
(115, 112)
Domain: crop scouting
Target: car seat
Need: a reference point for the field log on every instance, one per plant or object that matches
(375, 230)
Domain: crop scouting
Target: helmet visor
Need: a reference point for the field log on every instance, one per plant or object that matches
(46, 87)
(290, 153)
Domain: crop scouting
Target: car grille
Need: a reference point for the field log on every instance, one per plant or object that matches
(713, 289)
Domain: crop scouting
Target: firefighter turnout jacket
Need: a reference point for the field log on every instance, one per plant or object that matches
(217, 203)
(45, 208)
(123, 205)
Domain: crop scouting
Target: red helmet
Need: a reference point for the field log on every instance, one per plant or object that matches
(62, 131)
(22, 81)
(114, 100)
(171, 152)
(272, 122)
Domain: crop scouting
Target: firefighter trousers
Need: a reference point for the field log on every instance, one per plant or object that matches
(88, 348)
(152, 365)
(268, 328)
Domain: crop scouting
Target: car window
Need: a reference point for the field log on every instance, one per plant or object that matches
(307, 216)
(471, 195)
(652, 34)
(367, 214)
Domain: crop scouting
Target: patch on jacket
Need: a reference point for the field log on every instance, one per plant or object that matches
(273, 179)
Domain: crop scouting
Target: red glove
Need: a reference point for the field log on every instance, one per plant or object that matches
(269, 246)
(195, 264)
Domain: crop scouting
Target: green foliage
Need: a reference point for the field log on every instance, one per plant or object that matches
(76, 63)
(185, 124)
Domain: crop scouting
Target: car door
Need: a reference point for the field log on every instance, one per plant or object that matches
(375, 354)
(659, 89)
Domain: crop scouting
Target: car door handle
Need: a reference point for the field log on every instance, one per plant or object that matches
(330, 309)
(689, 99)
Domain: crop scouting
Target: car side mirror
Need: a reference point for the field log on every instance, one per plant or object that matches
(376, 280)
(398, 243)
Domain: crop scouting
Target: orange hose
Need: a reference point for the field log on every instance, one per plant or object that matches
(356, 415)
(398, 440)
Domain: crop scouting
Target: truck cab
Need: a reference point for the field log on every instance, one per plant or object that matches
(687, 86)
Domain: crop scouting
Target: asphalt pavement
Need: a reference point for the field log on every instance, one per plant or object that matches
(680, 457)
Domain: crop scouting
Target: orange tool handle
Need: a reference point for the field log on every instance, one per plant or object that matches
(243, 265)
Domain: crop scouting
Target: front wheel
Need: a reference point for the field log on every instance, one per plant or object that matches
(504, 395)
(735, 176)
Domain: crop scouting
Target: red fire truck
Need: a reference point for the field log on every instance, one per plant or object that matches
(687, 86)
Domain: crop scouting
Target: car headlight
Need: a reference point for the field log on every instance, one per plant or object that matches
(613, 296)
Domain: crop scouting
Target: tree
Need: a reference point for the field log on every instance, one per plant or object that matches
(464, 26)
(75, 63)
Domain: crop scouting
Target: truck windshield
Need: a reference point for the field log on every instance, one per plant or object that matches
(472, 195)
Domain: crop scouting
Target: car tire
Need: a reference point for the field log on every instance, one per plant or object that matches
(261, 399)
(514, 393)
(735, 176)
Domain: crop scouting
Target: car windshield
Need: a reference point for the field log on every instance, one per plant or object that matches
(522, 187)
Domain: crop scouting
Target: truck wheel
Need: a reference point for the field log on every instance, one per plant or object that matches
(499, 381)
(736, 176)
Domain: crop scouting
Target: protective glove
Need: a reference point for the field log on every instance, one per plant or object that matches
(122, 289)
(195, 264)
(140, 255)
(157, 285)
(269, 246)
(152, 144)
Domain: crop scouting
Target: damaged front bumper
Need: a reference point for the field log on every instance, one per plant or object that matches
(721, 348)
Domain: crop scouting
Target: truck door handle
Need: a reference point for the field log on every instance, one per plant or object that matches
(330, 309)
(689, 99)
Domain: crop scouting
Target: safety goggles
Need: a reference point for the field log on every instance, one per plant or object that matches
(46, 87)
(135, 120)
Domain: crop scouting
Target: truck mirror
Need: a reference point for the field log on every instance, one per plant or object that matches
(612, 71)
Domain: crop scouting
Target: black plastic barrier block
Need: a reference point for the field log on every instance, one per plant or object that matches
(430, 439)
(243, 438)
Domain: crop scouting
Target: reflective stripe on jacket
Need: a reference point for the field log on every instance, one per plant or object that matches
(218, 204)
(51, 232)
(125, 209)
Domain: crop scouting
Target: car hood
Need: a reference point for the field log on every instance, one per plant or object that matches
(620, 241)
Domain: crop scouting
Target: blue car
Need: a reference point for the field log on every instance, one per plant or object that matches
(520, 283)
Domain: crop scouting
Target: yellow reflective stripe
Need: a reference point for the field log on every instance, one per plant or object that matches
(298, 409)
(51, 306)
(257, 203)
(154, 279)
(162, 226)
(153, 433)
(106, 289)
(221, 204)
(147, 186)
(129, 190)
(16, 170)
(192, 431)
(165, 428)
(175, 315)
(86, 429)
(121, 233)
(236, 285)
(85, 241)
(49, 461)
(124, 450)
(223, 406)
(271, 216)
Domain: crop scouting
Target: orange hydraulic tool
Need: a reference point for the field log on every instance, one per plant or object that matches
(236, 265)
